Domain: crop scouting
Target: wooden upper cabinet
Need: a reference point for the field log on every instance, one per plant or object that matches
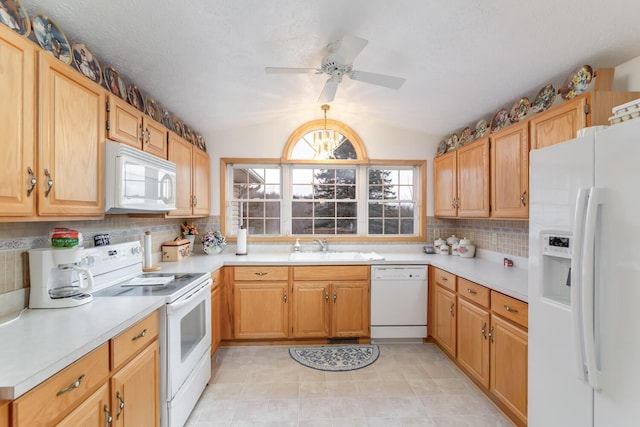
(71, 158)
(510, 172)
(192, 178)
(200, 182)
(128, 125)
(17, 124)
(445, 181)
(562, 122)
(473, 179)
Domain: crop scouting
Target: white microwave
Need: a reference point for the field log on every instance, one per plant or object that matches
(137, 182)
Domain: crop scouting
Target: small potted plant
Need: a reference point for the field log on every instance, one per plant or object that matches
(213, 242)
(189, 232)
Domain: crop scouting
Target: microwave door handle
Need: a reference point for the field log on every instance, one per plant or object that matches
(576, 281)
(186, 300)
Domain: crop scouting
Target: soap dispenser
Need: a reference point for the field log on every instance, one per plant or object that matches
(296, 247)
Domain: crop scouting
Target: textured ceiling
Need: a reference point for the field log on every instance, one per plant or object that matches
(463, 59)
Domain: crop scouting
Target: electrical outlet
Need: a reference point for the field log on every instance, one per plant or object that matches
(494, 239)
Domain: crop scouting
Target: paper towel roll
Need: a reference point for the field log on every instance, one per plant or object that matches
(147, 250)
(241, 246)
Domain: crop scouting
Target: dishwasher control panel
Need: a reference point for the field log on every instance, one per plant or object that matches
(399, 272)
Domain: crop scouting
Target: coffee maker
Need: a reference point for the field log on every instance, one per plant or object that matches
(58, 279)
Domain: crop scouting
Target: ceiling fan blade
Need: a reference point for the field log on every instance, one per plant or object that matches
(349, 47)
(377, 79)
(287, 70)
(329, 90)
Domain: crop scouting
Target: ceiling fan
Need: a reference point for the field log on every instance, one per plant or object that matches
(338, 62)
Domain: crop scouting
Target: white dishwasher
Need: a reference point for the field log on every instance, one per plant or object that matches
(398, 301)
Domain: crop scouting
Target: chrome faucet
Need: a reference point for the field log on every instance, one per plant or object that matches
(324, 245)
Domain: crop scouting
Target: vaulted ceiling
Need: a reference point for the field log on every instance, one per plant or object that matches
(462, 59)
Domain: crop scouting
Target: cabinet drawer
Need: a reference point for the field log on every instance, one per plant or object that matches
(444, 279)
(261, 273)
(338, 272)
(510, 308)
(134, 339)
(63, 391)
(474, 292)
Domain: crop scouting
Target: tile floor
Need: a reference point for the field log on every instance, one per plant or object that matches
(409, 385)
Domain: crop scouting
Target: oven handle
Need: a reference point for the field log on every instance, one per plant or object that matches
(186, 300)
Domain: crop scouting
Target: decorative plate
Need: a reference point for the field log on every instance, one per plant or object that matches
(577, 83)
(166, 118)
(452, 142)
(14, 16)
(51, 38)
(500, 120)
(482, 129)
(519, 110)
(465, 136)
(86, 62)
(201, 144)
(135, 97)
(152, 109)
(544, 99)
(177, 126)
(189, 135)
(442, 147)
(114, 83)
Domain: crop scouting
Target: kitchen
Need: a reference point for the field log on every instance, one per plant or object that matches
(510, 237)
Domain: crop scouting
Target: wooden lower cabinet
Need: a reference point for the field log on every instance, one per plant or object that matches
(350, 315)
(444, 318)
(4, 413)
(216, 310)
(473, 343)
(260, 310)
(311, 309)
(135, 390)
(95, 411)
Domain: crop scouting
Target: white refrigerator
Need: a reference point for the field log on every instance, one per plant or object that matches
(584, 281)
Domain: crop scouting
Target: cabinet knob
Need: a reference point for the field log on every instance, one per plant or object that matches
(326, 296)
(523, 198)
(484, 330)
(491, 333)
(284, 297)
(120, 405)
(451, 309)
(32, 181)
(107, 416)
(335, 296)
(49, 183)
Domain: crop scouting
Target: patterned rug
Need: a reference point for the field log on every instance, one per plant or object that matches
(337, 357)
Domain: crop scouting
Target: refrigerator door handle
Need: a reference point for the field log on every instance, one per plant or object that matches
(576, 281)
(588, 295)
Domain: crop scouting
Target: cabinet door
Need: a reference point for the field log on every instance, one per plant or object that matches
(445, 182)
(200, 183)
(17, 122)
(4, 413)
(180, 154)
(473, 180)
(135, 391)
(260, 310)
(310, 311)
(155, 138)
(351, 309)
(510, 173)
(444, 331)
(72, 116)
(558, 124)
(509, 365)
(93, 412)
(473, 343)
(215, 318)
(125, 123)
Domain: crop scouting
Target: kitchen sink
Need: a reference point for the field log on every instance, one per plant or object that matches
(332, 256)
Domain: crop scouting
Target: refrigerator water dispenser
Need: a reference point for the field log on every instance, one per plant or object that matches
(557, 251)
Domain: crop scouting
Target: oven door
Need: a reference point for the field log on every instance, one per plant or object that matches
(188, 335)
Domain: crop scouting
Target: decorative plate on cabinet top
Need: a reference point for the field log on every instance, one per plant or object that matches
(166, 118)
(14, 16)
(114, 83)
(51, 38)
(188, 134)
(577, 83)
(465, 136)
(500, 120)
(442, 147)
(544, 99)
(86, 62)
(135, 97)
(519, 110)
(152, 109)
(177, 126)
(482, 129)
(201, 144)
(453, 142)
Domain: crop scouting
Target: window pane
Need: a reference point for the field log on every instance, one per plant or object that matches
(302, 226)
(406, 226)
(302, 176)
(347, 210)
(324, 192)
(346, 176)
(272, 226)
(302, 209)
(272, 210)
(256, 210)
(255, 226)
(256, 191)
(375, 192)
(375, 210)
(346, 226)
(302, 192)
(325, 176)
(324, 209)
(390, 226)
(272, 176)
(391, 210)
(407, 210)
(406, 192)
(390, 192)
(406, 177)
(272, 191)
(375, 226)
(324, 226)
(346, 192)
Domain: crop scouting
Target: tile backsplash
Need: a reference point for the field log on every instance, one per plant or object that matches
(509, 237)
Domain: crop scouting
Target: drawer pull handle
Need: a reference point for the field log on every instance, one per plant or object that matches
(444, 279)
(140, 335)
(120, 405)
(72, 386)
(260, 273)
(484, 330)
(471, 291)
(108, 417)
(509, 309)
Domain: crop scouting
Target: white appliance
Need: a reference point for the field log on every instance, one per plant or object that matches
(185, 325)
(59, 278)
(398, 302)
(584, 281)
(136, 181)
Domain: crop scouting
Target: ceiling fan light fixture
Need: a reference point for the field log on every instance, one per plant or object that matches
(325, 142)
